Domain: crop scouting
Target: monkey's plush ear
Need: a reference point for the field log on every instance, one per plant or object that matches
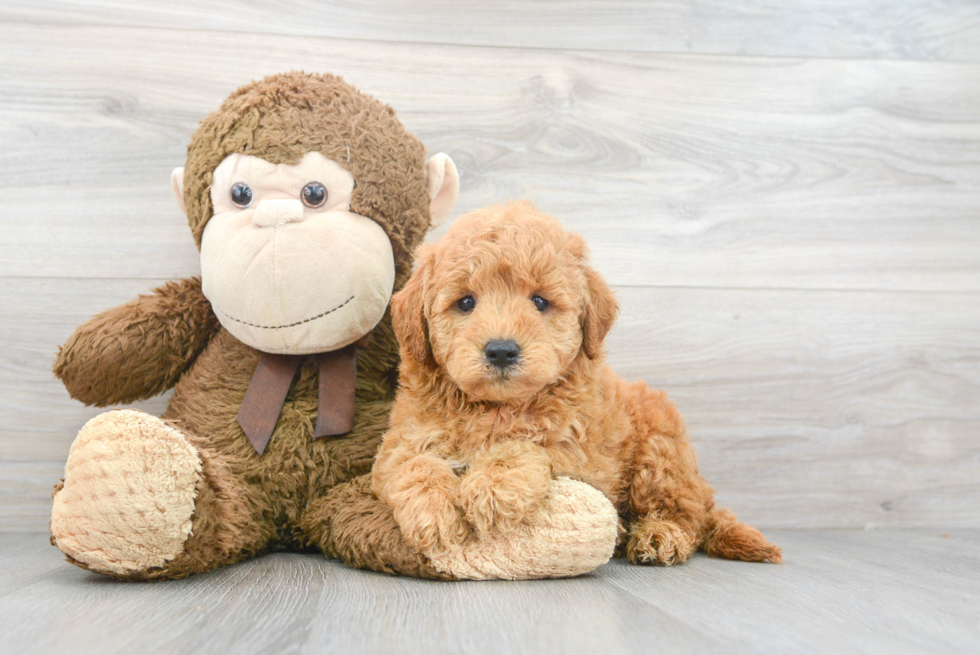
(177, 186)
(601, 309)
(442, 180)
(408, 312)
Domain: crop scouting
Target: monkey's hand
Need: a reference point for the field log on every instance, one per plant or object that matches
(504, 485)
(137, 350)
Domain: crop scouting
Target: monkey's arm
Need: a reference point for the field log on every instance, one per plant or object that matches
(139, 349)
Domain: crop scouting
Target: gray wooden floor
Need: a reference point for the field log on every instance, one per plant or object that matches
(838, 592)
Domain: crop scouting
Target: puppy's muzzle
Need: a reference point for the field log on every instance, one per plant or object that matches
(502, 354)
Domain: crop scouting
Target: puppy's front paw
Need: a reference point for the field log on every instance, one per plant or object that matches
(421, 496)
(499, 498)
(431, 528)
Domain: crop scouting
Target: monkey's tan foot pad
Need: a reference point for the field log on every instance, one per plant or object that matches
(573, 533)
(128, 496)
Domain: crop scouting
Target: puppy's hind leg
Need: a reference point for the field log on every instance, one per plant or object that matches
(673, 505)
(668, 500)
(668, 505)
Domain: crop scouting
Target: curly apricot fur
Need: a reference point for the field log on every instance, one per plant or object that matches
(559, 411)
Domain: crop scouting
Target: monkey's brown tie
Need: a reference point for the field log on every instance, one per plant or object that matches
(337, 378)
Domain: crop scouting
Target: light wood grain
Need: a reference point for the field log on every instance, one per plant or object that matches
(25, 493)
(839, 592)
(809, 409)
(889, 29)
(680, 171)
(794, 240)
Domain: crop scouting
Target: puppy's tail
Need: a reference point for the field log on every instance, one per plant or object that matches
(729, 538)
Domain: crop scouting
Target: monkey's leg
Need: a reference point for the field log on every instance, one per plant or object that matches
(573, 532)
(142, 500)
(349, 523)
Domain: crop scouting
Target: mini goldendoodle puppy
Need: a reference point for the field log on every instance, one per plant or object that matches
(504, 385)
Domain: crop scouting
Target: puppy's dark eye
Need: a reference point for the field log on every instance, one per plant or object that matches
(540, 303)
(241, 195)
(314, 194)
(466, 304)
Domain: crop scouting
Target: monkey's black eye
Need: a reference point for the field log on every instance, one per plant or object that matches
(466, 304)
(241, 195)
(540, 303)
(314, 194)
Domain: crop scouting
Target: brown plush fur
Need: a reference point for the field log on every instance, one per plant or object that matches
(560, 411)
(288, 497)
(96, 363)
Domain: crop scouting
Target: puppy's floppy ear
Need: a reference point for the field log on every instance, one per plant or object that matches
(601, 309)
(408, 311)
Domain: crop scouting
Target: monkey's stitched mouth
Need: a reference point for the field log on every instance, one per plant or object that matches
(281, 327)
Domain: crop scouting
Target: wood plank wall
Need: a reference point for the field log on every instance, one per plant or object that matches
(786, 197)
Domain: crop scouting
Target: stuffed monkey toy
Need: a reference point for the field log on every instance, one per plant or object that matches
(306, 199)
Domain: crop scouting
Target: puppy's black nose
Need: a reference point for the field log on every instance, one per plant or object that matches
(502, 353)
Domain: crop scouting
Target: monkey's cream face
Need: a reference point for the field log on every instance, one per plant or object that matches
(287, 266)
